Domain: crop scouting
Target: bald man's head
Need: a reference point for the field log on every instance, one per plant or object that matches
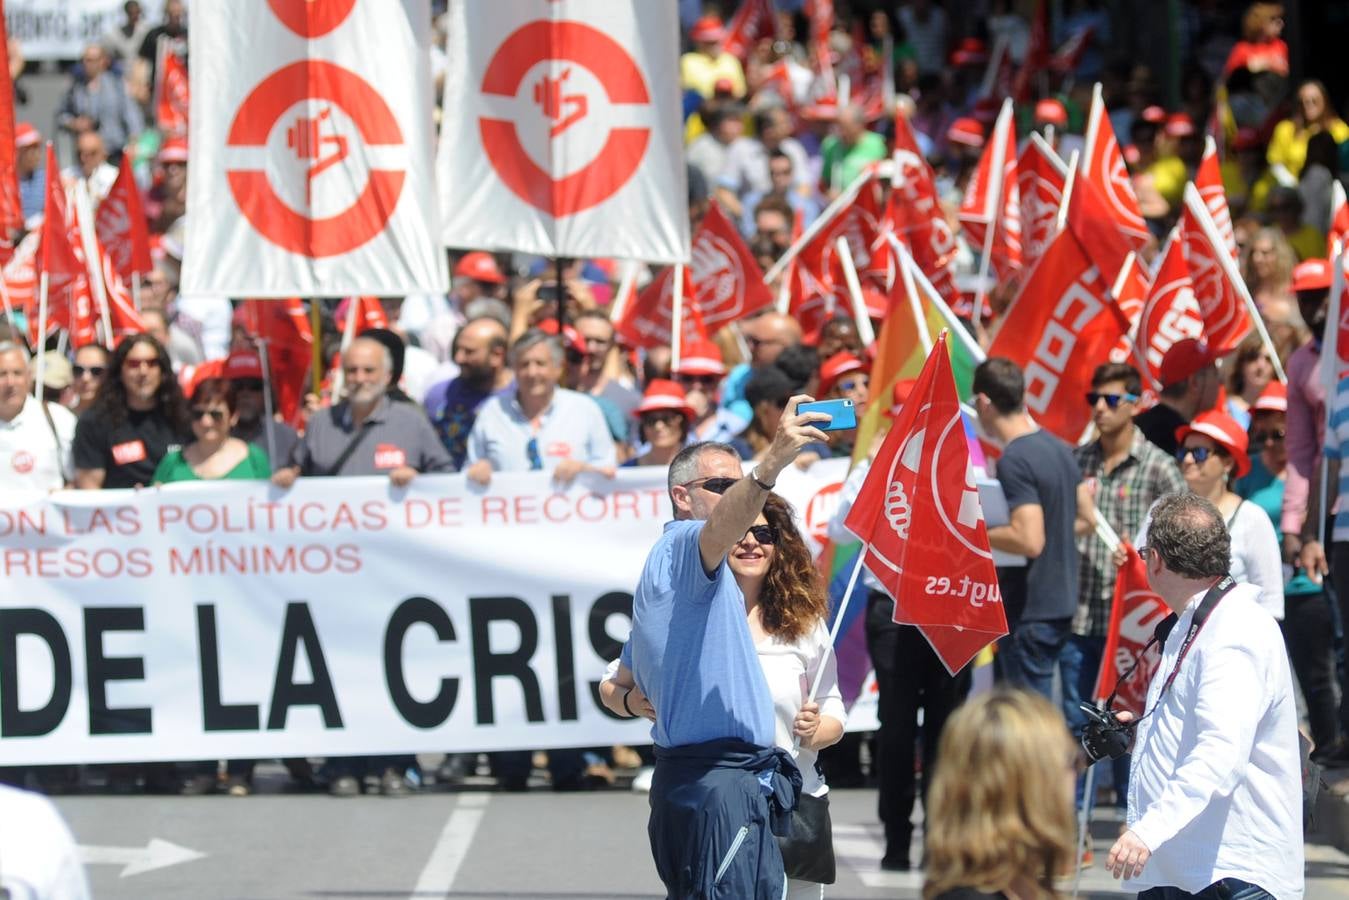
(851, 123)
(770, 334)
(480, 351)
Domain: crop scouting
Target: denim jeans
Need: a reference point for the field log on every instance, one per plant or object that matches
(1226, 889)
(1028, 656)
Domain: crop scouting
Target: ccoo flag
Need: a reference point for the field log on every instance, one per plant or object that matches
(562, 124)
(312, 151)
(919, 516)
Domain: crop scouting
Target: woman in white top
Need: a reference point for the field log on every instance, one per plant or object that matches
(1213, 453)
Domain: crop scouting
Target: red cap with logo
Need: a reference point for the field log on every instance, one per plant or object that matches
(241, 365)
(1051, 111)
(174, 150)
(25, 135)
(571, 338)
(662, 394)
(700, 358)
(1224, 431)
(1179, 125)
(967, 131)
(706, 30)
(1312, 275)
(836, 366)
(1154, 114)
(1274, 398)
(1185, 357)
(479, 266)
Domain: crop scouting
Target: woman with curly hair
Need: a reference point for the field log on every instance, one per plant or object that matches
(1000, 818)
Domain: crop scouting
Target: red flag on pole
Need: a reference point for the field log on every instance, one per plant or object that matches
(1103, 165)
(1170, 312)
(723, 283)
(11, 207)
(369, 314)
(1040, 178)
(1090, 218)
(1220, 291)
(1037, 54)
(1338, 236)
(121, 225)
(1209, 180)
(992, 199)
(919, 517)
(1130, 291)
(821, 15)
(1062, 324)
(1134, 615)
(915, 217)
(171, 92)
(59, 257)
(752, 22)
(284, 326)
(818, 288)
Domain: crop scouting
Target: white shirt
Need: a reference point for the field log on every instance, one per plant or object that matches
(38, 860)
(30, 459)
(1215, 783)
(790, 671)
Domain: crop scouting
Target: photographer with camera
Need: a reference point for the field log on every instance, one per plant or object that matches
(1215, 793)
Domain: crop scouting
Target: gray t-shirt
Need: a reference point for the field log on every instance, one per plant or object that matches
(399, 435)
(1039, 468)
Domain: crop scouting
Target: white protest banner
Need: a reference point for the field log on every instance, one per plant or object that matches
(233, 621)
(562, 131)
(61, 29)
(310, 151)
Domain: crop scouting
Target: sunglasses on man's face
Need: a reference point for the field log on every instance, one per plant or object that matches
(1111, 400)
(715, 485)
(763, 534)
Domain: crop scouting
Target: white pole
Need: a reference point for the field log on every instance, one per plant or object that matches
(830, 213)
(136, 290)
(906, 267)
(859, 303)
(677, 316)
(1087, 787)
(994, 209)
(838, 621)
(41, 334)
(784, 303)
(84, 215)
(627, 283)
(348, 335)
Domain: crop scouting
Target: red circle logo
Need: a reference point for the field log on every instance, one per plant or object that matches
(821, 509)
(564, 103)
(23, 462)
(321, 143)
(311, 18)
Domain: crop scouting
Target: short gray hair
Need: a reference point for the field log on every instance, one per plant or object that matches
(385, 355)
(489, 308)
(531, 339)
(1190, 536)
(16, 347)
(684, 467)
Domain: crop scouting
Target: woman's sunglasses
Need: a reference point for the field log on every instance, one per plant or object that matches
(1264, 437)
(1200, 454)
(215, 415)
(96, 371)
(764, 534)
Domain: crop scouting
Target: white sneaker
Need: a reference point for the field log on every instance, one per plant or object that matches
(642, 782)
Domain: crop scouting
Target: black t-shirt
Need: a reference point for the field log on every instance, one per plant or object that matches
(128, 452)
(1159, 425)
(1039, 468)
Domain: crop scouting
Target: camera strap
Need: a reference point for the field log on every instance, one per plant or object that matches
(1201, 616)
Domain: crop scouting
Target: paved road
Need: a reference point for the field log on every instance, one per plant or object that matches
(471, 843)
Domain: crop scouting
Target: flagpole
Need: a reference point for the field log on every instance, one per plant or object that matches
(348, 334)
(830, 213)
(42, 286)
(834, 629)
(626, 285)
(677, 316)
(316, 357)
(93, 262)
(1082, 817)
(268, 412)
(859, 304)
(911, 290)
(995, 177)
(136, 290)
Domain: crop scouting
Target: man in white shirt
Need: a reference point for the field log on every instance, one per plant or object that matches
(1215, 787)
(38, 856)
(34, 450)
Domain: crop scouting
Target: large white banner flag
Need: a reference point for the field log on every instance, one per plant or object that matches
(562, 132)
(311, 142)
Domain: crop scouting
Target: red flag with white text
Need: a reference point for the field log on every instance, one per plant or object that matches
(1170, 312)
(1218, 287)
(914, 215)
(1103, 165)
(919, 517)
(818, 288)
(1062, 324)
(1040, 177)
(992, 201)
(1134, 614)
(172, 95)
(11, 206)
(121, 225)
(752, 22)
(284, 326)
(1209, 180)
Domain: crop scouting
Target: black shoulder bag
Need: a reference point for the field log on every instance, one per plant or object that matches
(808, 854)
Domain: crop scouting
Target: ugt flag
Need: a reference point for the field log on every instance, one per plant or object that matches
(562, 132)
(919, 515)
(312, 150)
(1134, 615)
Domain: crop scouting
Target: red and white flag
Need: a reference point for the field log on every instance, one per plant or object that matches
(313, 151)
(563, 133)
(820, 14)
(20, 273)
(1224, 302)
(722, 284)
(1170, 313)
(922, 526)
(1069, 54)
(1040, 178)
(122, 227)
(1134, 615)
(366, 313)
(1130, 291)
(284, 327)
(61, 259)
(11, 206)
(817, 285)
(915, 217)
(1102, 164)
(1338, 236)
(992, 200)
(752, 22)
(172, 95)
(1090, 219)
(1209, 180)
(1062, 324)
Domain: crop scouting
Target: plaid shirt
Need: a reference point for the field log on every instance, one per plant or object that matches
(1124, 497)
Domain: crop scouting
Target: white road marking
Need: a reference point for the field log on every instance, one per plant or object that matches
(156, 854)
(452, 847)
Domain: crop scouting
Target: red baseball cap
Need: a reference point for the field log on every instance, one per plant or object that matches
(663, 394)
(1179, 125)
(1185, 358)
(970, 52)
(706, 30)
(174, 150)
(1312, 275)
(25, 135)
(1154, 114)
(700, 358)
(571, 338)
(823, 110)
(1224, 431)
(1051, 111)
(479, 266)
(966, 130)
(1274, 398)
(242, 364)
(838, 365)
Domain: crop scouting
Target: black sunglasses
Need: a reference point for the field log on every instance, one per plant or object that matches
(1263, 437)
(96, 371)
(1201, 454)
(716, 484)
(705, 380)
(1111, 400)
(666, 417)
(215, 415)
(764, 534)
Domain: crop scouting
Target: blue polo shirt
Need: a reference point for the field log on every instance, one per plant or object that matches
(690, 649)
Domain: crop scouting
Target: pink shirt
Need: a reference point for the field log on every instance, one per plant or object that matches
(1306, 434)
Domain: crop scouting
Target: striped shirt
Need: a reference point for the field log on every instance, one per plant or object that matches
(1337, 448)
(1124, 495)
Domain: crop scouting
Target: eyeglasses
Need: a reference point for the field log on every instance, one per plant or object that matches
(1200, 454)
(853, 384)
(1143, 552)
(96, 371)
(716, 484)
(1265, 437)
(532, 451)
(135, 364)
(668, 417)
(215, 415)
(764, 534)
(1111, 400)
(705, 381)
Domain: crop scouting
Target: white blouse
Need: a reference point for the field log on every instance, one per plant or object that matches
(790, 671)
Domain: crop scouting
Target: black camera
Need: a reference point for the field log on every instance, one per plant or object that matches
(1104, 736)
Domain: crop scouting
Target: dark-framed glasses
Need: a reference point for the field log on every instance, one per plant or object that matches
(1111, 400)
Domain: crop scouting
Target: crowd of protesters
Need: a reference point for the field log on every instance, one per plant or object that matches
(520, 367)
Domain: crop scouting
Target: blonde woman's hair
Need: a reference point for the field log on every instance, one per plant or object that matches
(1284, 260)
(1001, 806)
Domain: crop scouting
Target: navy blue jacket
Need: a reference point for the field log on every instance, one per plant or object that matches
(715, 808)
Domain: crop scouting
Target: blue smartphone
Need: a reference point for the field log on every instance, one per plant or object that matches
(842, 415)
